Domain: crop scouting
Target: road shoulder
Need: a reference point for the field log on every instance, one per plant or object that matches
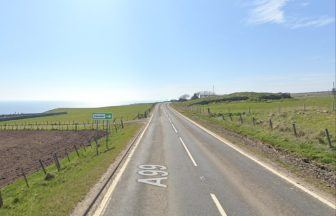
(94, 197)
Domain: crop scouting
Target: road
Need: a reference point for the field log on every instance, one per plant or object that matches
(179, 169)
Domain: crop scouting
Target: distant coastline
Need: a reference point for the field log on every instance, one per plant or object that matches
(12, 107)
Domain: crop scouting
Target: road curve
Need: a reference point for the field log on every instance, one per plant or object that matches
(179, 169)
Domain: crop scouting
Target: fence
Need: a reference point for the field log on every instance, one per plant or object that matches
(95, 142)
(253, 120)
(61, 126)
(145, 114)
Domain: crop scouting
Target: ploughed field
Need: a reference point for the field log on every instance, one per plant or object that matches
(23, 149)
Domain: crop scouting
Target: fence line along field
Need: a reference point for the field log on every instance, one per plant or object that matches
(41, 156)
(78, 115)
(23, 149)
(303, 125)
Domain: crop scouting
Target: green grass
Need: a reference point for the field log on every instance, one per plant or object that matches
(238, 96)
(310, 114)
(60, 195)
(128, 112)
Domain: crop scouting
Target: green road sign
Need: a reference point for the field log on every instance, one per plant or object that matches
(102, 116)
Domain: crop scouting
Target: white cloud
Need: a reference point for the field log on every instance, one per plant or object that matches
(267, 11)
(310, 22)
(272, 11)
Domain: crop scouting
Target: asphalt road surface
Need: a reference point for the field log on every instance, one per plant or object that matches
(179, 169)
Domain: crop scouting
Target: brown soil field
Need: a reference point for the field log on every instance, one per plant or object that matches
(23, 149)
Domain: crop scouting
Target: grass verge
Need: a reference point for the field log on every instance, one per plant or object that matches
(60, 195)
(306, 173)
(311, 115)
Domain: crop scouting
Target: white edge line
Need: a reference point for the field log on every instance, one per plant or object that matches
(218, 205)
(102, 206)
(225, 141)
(174, 128)
(190, 156)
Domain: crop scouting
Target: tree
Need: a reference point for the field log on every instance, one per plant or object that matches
(184, 97)
(195, 96)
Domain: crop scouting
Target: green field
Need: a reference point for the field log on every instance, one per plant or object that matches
(311, 115)
(60, 195)
(79, 115)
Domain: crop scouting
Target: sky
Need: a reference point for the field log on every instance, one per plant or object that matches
(108, 52)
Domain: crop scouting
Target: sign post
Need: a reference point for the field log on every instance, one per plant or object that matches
(103, 116)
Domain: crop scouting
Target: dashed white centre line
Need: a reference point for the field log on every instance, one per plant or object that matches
(218, 205)
(174, 128)
(190, 156)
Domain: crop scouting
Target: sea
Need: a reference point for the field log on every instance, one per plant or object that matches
(15, 107)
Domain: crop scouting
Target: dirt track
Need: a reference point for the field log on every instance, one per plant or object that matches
(23, 149)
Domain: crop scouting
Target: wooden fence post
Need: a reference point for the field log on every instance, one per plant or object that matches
(25, 177)
(240, 118)
(116, 128)
(58, 166)
(89, 141)
(294, 129)
(1, 200)
(271, 124)
(253, 120)
(66, 153)
(107, 136)
(76, 150)
(42, 166)
(97, 151)
(328, 137)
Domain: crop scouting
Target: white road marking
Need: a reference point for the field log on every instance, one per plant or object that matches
(190, 156)
(102, 206)
(218, 205)
(174, 128)
(269, 168)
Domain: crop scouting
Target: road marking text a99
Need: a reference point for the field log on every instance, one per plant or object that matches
(153, 170)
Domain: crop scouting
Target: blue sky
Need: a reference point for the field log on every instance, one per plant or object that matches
(112, 52)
